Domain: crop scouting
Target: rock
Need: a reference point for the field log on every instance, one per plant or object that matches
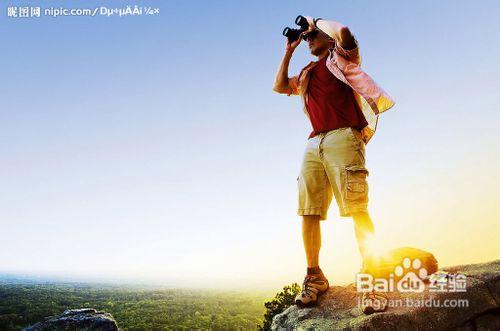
(77, 320)
(338, 307)
(384, 265)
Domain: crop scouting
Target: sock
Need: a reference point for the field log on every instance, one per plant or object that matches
(314, 270)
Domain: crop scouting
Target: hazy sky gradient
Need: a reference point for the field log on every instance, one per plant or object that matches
(153, 148)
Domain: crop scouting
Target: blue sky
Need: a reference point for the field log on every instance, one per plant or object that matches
(153, 148)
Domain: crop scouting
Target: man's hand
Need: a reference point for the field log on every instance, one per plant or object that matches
(366, 134)
(290, 46)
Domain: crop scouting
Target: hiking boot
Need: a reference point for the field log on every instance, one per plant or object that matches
(373, 302)
(312, 287)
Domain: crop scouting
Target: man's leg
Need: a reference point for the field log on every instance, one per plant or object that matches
(363, 227)
(314, 200)
(311, 236)
(344, 155)
(315, 281)
(344, 159)
(364, 230)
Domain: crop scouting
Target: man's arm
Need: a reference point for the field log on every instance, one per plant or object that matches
(339, 32)
(283, 84)
(346, 39)
(346, 44)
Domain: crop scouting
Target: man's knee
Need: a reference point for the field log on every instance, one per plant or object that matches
(310, 218)
(360, 215)
(362, 220)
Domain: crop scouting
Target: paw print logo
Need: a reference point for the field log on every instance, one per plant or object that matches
(412, 275)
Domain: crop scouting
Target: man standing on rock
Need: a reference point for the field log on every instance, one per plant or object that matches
(342, 103)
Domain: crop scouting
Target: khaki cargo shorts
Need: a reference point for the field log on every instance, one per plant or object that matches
(333, 165)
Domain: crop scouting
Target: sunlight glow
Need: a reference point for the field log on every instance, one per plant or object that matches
(374, 247)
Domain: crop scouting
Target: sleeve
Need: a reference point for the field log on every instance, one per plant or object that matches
(293, 82)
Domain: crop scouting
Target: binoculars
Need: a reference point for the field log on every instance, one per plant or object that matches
(294, 34)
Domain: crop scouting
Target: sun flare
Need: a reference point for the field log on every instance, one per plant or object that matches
(374, 247)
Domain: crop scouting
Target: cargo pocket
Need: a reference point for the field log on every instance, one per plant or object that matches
(356, 186)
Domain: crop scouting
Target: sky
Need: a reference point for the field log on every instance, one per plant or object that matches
(152, 148)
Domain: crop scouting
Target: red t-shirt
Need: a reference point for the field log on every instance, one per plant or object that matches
(331, 104)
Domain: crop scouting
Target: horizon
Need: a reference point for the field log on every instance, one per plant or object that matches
(153, 148)
(140, 283)
(32, 279)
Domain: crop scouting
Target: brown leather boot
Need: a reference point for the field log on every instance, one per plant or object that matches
(312, 287)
